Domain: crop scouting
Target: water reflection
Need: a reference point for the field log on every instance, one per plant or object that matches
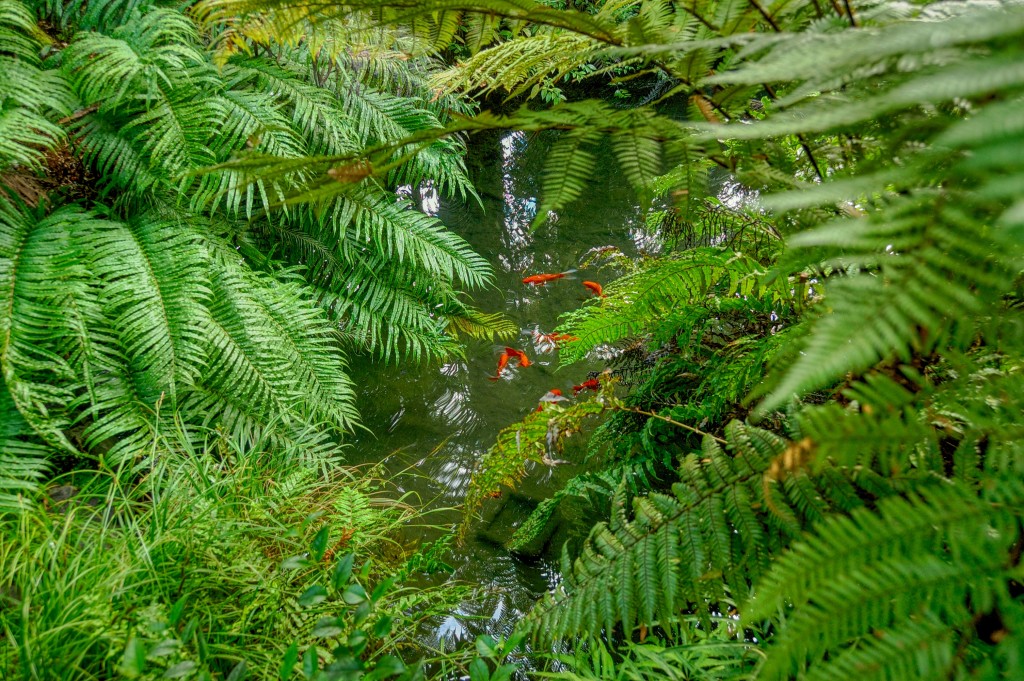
(518, 210)
(438, 421)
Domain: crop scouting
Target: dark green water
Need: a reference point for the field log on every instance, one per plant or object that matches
(436, 422)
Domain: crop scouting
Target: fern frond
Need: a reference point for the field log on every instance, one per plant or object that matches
(24, 462)
(538, 438)
(35, 254)
(567, 170)
(155, 291)
(638, 302)
(918, 648)
(516, 66)
(466, 320)
(636, 476)
(275, 353)
(148, 56)
(699, 547)
(31, 97)
(423, 17)
(901, 306)
(940, 552)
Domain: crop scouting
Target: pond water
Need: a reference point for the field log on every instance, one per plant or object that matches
(433, 423)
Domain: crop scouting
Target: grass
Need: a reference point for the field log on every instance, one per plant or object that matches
(213, 564)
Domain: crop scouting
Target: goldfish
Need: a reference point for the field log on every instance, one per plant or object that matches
(595, 288)
(524, 361)
(502, 363)
(592, 384)
(546, 342)
(541, 279)
(550, 397)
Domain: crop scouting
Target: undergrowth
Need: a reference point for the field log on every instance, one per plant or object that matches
(226, 562)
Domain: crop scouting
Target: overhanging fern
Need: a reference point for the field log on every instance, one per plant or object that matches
(700, 547)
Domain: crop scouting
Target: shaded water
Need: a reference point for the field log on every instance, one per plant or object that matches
(436, 422)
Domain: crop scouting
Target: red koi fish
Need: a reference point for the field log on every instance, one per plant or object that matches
(595, 288)
(502, 363)
(541, 279)
(524, 361)
(592, 384)
(547, 342)
(550, 397)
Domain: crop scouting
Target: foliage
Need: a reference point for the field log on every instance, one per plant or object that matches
(836, 316)
(539, 438)
(142, 288)
(874, 348)
(689, 653)
(198, 563)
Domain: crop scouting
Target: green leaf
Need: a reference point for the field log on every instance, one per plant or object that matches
(319, 544)
(486, 646)
(312, 596)
(181, 670)
(354, 594)
(382, 588)
(133, 661)
(362, 612)
(357, 641)
(342, 571)
(310, 662)
(291, 656)
(327, 627)
(174, 616)
(478, 670)
(238, 672)
(385, 667)
(167, 646)
(296, 563)
(383, 626)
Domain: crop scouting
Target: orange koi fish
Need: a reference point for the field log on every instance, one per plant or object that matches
(541, 279)
(592, 384)
(502, 363)
(594, 287)
(524, 361)
(549, 341)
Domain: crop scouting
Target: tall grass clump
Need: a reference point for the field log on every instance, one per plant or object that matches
(236, 561)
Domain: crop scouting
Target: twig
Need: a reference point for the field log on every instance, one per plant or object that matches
(849, 13)
(666, 419)
(767, 17)
(78, 114)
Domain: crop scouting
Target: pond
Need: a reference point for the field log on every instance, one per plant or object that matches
(431, 424)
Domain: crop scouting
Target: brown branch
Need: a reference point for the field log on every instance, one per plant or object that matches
(849, 13)
(666, 419)
(767, 17)
(78, 114)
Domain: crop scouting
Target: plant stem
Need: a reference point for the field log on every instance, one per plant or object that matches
(666, 419)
